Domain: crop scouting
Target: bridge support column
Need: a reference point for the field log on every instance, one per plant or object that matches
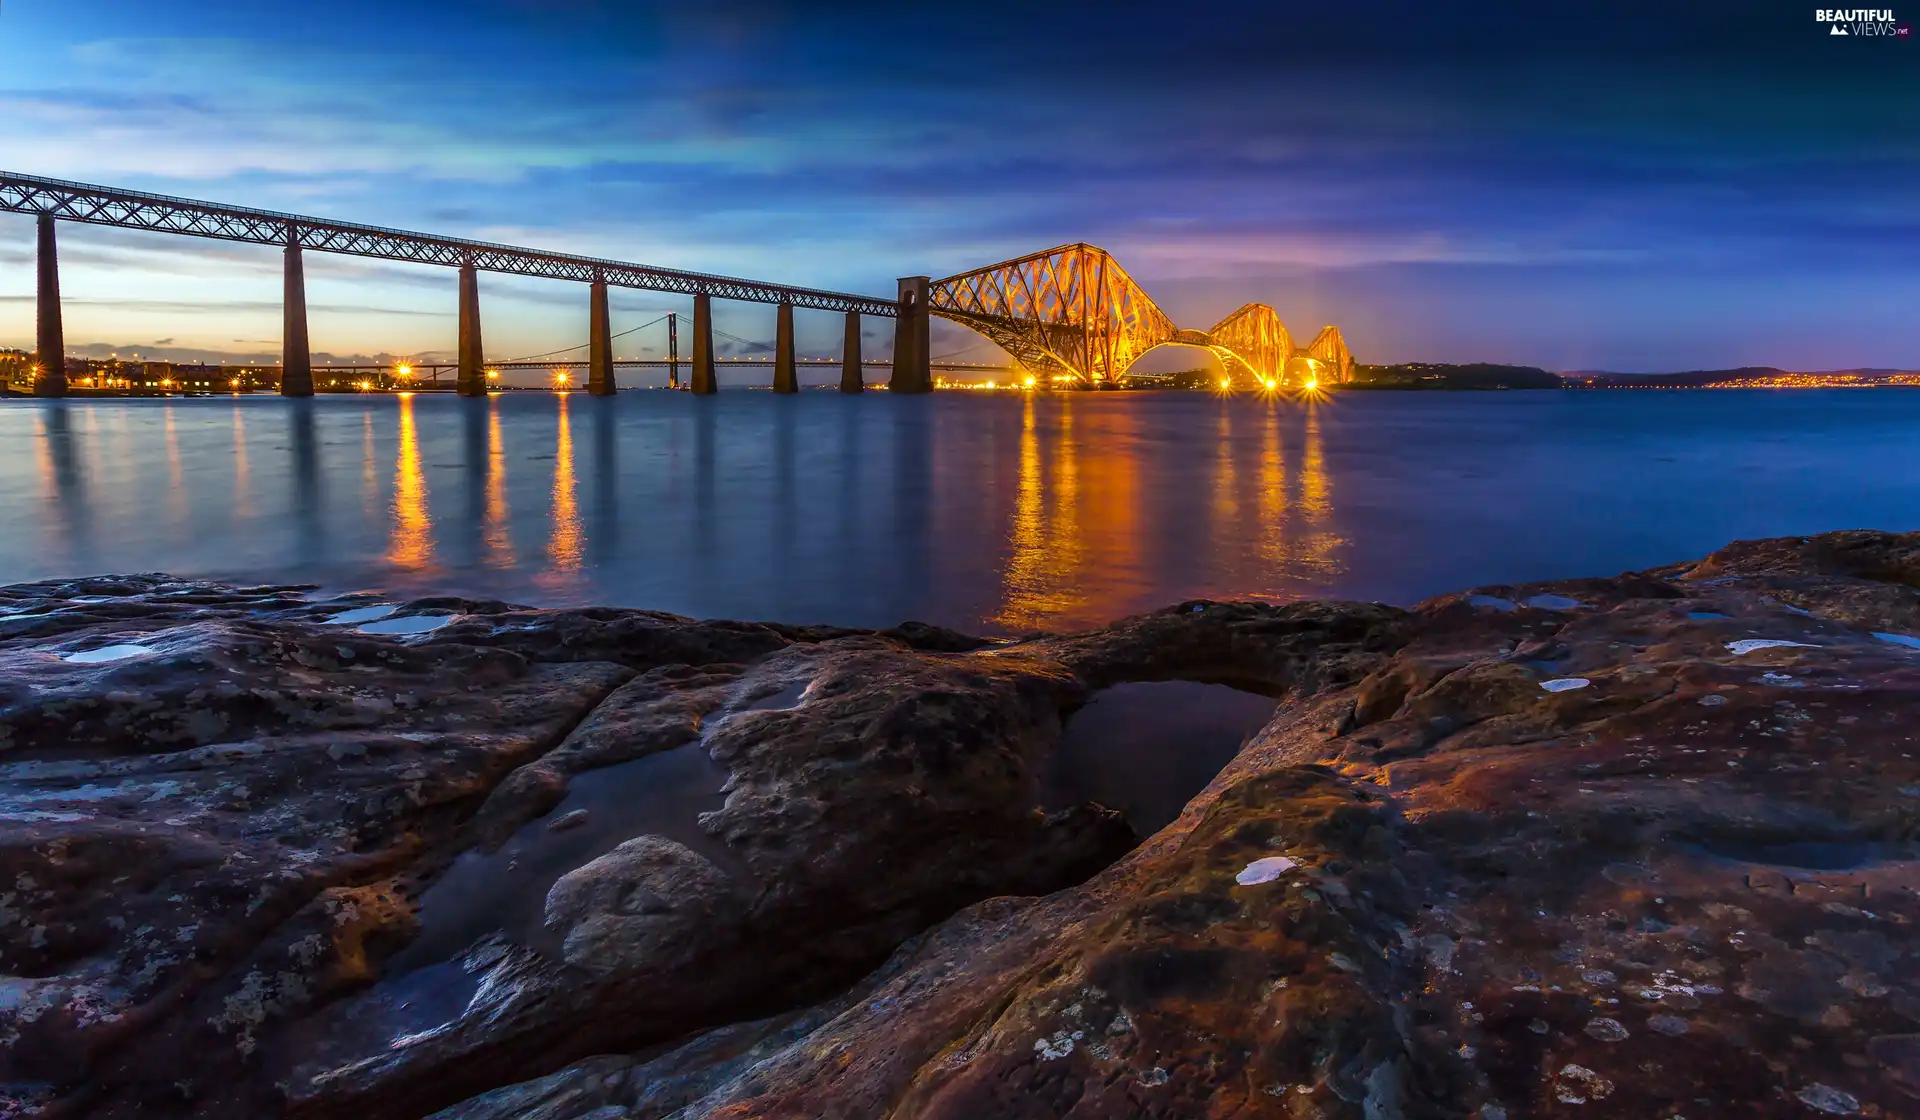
(852, 380)
(673, 350)
(296, 357)
(52, 339)
(600, 344)
(912, 344)
(471, 380)
(786, 379)
(704, 381)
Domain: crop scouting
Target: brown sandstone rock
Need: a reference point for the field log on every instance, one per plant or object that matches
(1686, 886)
(1682, 880)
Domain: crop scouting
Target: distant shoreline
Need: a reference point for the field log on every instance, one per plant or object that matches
(1409, 377)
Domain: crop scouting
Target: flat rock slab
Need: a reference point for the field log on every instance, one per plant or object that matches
(225, 835)
(1438, 889)
(1430, 886)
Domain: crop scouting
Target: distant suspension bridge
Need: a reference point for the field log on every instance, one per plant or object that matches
(1068, 316)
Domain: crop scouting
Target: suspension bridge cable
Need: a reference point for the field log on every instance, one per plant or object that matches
(955, 353)
(584, 345)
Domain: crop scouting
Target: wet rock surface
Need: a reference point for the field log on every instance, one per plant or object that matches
(1442, 881)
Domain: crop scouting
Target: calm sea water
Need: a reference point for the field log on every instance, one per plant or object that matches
(983, 511)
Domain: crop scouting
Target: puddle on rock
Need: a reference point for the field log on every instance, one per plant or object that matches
(1146, 749)
(662, 794)
(411, 624)
(1554, 603)
(785, 699)
(378, 1018)
(360, 614)
(1748, 645)
(1810, 855)
(108, 653)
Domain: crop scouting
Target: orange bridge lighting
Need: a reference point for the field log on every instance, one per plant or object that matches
(1073, 315)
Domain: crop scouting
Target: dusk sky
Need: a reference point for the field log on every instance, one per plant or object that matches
(1617, 186)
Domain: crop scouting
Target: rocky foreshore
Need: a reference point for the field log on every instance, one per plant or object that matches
(1642, 846)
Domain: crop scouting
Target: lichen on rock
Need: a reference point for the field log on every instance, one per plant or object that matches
(1441, 882)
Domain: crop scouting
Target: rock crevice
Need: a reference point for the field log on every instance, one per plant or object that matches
(1613, 846)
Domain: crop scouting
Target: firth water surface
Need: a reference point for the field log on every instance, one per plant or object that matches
(991, 512)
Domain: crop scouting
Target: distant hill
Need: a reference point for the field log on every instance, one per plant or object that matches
(1438, 375)
(1488, 375)
(1756, 375)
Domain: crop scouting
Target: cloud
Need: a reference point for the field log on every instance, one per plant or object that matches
(218, 307)
(257, 352)
(1241, 150)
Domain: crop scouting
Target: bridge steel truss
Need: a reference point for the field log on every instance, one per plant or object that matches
(57, 200)
(108, 206)
(1256, 338)
(1072, 313)
(1068, 313)
(1329, 352)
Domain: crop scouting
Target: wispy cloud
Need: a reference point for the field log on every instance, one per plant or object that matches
(1337, 158)
(222, 307)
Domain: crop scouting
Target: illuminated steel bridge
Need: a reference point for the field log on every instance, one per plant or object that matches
(1072, 314)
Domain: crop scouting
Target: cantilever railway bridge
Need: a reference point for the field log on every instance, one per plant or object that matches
(1069, 315)
(1072, 313)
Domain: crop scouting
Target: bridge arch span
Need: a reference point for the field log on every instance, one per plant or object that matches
(1331, 360)
(1068, 310)
(1071, 313)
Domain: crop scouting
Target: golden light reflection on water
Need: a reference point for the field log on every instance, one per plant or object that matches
(62, 480)
(1028, 562)
(369, 480)
(1291, 497)
(43, 457)
(242, 479)
(177, 488)
(1317, 555)
(1226, 500)
(498, 537)
(565, 546)
(1272, 498)
(411, 544)
(1094, 504)
(1075, 533)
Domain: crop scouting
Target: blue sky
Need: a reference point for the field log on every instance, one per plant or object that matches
(1625, 186)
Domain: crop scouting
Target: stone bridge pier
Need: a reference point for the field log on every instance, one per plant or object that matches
(50, 338)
